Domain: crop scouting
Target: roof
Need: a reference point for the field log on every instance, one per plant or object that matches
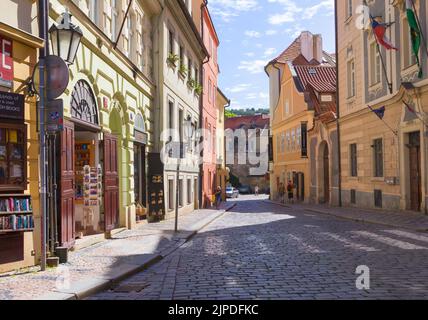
(247, 122)
(321, 78)
(289, 54)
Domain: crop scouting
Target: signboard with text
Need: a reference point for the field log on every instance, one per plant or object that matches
(6, 62)
(11, 106)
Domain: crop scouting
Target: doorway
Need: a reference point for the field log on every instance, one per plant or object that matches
(415, 171)
(324, 174)
(140, 181)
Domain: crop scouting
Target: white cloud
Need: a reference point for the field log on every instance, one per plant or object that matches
(253, 67)
(239, 88)
(271, 32)
(228, 9)
(250, 54)
(253, 34)
(291, 11)
(269, 52)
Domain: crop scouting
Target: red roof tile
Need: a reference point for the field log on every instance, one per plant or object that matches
(321, 78)
(257, 121)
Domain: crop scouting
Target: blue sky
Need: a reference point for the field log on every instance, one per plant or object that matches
(253, 32)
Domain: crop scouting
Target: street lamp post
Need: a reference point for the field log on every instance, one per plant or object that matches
(188, 131)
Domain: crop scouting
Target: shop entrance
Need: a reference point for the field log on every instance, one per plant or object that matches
(140, 179)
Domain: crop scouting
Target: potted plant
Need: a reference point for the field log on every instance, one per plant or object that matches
(182, 70)
(191, 83)
(172, 59)
(198, 89)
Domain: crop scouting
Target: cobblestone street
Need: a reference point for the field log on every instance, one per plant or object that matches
(261, 250)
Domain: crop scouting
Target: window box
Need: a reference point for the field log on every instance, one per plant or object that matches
(198, 89)
(172, 60)
(191, 83)
(182, 71)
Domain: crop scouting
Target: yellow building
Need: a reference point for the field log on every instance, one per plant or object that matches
(19, 180)
(290, 115)
(384, 163)
(222, 174)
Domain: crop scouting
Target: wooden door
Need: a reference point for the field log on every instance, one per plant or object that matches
(326, 176)
(111, 182)
(67, 213)
(415, 172)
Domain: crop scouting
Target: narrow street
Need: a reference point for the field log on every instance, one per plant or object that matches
(260, 250)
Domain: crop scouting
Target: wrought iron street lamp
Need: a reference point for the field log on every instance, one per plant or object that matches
(65, 39)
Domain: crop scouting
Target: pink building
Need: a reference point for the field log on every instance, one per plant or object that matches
(209, 108)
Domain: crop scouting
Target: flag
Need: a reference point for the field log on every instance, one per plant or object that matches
(415, 32)
(379, 112)
(409, 107)
(379, 30)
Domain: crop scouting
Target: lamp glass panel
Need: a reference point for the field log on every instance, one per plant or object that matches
(64, 43)
(54, 42)
(74, 46)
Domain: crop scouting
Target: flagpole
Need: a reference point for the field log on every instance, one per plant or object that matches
(386, 124)
(420, 26)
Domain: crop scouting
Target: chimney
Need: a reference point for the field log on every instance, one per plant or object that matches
(317, 46)
(307, 44)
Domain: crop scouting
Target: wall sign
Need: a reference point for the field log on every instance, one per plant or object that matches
(55, 115)
(11, 106)
(6, 62)
(304, 145)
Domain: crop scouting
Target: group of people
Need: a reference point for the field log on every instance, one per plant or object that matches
(289, 189)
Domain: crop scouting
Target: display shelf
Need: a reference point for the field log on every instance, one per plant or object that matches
(14, 231)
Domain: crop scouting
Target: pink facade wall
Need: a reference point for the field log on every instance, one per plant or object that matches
(209, 111)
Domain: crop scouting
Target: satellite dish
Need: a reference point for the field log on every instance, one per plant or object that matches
(56, 77)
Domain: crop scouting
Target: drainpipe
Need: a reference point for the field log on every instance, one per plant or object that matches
(338, 110)
(201, 106)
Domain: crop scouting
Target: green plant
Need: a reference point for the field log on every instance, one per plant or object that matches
(191, 83)
(183, 70)
(173, 59)
(198, 89)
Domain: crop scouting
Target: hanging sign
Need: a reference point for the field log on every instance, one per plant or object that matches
(6, 62)
(11, 106)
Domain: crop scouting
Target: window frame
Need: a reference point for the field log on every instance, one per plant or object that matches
(378, 158)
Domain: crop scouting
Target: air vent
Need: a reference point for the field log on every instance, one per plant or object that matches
(312, 71)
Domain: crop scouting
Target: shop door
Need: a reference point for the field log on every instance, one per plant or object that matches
(415, 171)
(111, 183)
(67, 226)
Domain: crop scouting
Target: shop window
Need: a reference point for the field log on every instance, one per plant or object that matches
(13, 157)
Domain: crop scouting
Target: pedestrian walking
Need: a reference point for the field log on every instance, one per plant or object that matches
(290, 191)
(218, 198)
(256, 190)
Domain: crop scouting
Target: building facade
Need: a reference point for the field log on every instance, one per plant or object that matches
(290, 76)
(180, 52)
(109, 119)
(384, 162)
(19, 165)
(222, 174)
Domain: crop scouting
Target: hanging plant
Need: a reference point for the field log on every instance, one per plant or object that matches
(191, 83)
(198, 89)
(183, 70)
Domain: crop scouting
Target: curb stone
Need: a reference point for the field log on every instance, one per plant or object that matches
(92, 285)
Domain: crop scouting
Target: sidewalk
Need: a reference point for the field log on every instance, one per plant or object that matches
(99, 266)
(404, 219)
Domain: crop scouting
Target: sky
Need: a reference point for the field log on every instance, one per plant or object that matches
(253, 32)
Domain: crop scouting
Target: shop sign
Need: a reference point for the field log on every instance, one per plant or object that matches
(156, 187)
(55, 115)
(11, 106)
(140, 137)
(6, 62)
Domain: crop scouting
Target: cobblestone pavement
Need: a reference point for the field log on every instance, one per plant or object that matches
(103, 258)
(260, 250)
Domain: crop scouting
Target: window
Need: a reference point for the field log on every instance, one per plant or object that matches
(209, 90)
(375, 64)
(293, 139)
(409, 58)
(171, 115)
(108, 17)
(189, 191)
(348, 8)
(92, 6)
(353, 160)
(171, 195)
(180, 193)
(288, 140)
(287, 107)
(282, 142)
(378, 157)
(299, 138)
(171, 50)
(189, 68)
(13, 157)
(181, 53)
(351, 78)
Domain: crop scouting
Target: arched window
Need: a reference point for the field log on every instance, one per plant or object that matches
(139, 123)
(83, 103)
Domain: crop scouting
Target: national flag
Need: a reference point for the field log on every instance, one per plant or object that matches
(415, 32)
(379, 112)
(409, 107)
(379, 30)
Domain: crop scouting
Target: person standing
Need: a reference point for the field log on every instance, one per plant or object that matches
(290, 191)
(218, 198)
(256, 190)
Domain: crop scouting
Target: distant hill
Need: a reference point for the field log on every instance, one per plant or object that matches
(248, 112)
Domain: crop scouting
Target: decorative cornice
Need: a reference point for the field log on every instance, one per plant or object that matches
(21, 36)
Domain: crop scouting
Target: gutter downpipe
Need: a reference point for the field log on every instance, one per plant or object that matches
(338, 109)
(201, 107)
